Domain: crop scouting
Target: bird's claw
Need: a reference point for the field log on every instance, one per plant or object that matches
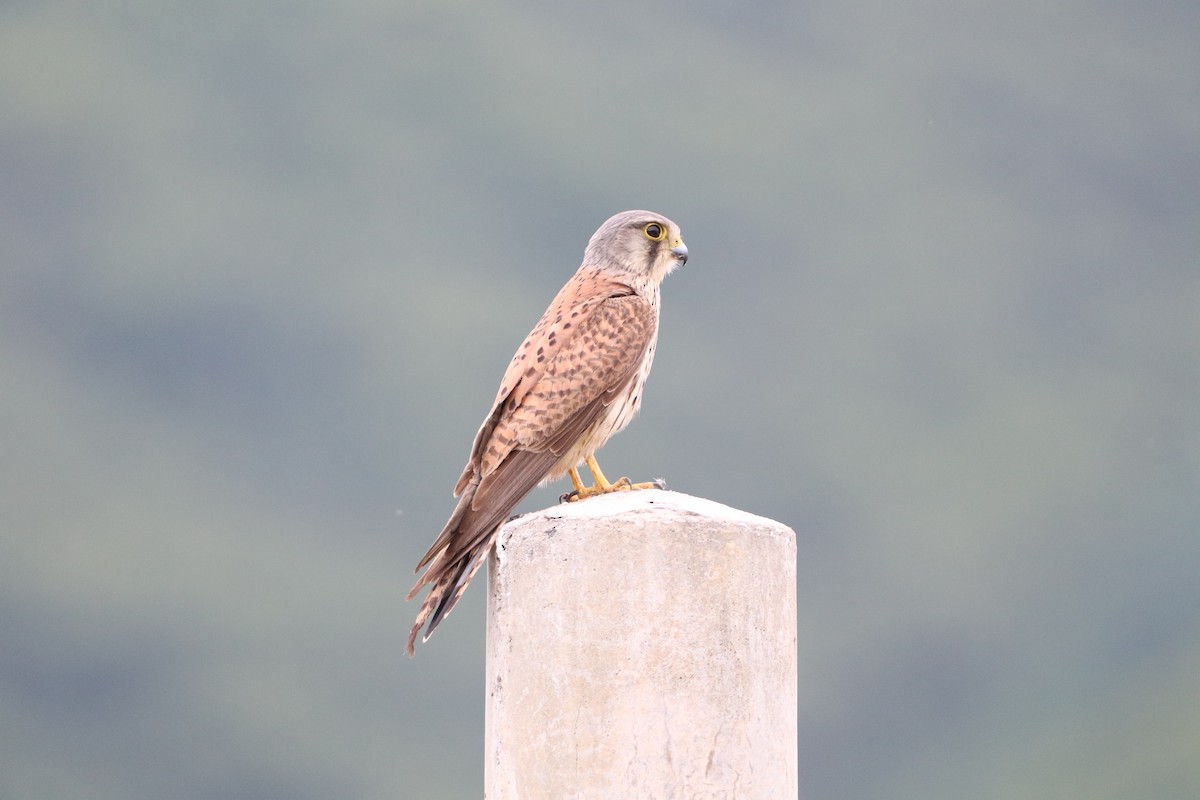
(620, 485)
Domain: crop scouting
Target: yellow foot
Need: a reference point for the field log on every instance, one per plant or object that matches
(602, 485)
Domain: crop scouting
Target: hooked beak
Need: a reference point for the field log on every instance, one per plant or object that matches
(679, 250)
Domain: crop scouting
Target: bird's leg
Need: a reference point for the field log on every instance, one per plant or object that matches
(603, 486)
(577, 482)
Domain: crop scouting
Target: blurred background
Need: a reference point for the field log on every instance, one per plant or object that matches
(262, 265)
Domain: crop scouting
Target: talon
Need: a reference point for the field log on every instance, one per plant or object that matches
(602, 485)
(582, 494)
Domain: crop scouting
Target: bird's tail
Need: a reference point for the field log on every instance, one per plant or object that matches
(464, 544)
(448, 588)
(455, 557)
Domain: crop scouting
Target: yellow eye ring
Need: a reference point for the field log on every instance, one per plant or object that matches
(655, 231)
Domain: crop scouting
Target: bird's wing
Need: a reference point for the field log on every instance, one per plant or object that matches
(554, 333)
(548, 405)
(582, 378)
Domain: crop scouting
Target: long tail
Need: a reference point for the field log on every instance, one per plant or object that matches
(456, 555)
(451, 582)
(464, 544)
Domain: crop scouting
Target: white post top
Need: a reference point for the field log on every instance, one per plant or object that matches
(607, 505)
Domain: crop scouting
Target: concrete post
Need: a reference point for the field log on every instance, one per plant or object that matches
(641, 645)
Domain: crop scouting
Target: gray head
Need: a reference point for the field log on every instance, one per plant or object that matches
(641, 244)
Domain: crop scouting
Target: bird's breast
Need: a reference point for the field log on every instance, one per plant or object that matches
(623, 408)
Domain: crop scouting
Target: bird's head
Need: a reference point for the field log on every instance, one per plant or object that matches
(641, 244)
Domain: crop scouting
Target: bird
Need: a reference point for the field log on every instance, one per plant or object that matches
(574, 382)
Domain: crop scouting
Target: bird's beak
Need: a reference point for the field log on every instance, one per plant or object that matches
(679, 250)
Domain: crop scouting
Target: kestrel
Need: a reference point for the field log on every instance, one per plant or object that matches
(574, 382)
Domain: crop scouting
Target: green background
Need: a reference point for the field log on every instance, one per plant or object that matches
(262, 265)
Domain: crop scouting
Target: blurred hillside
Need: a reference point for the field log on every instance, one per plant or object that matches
(262, 265)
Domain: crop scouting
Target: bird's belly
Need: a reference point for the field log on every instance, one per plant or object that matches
(619, 413)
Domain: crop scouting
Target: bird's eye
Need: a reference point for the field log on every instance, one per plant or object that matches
(654, 231)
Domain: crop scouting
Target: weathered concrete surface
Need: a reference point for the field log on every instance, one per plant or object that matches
(642, 645)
